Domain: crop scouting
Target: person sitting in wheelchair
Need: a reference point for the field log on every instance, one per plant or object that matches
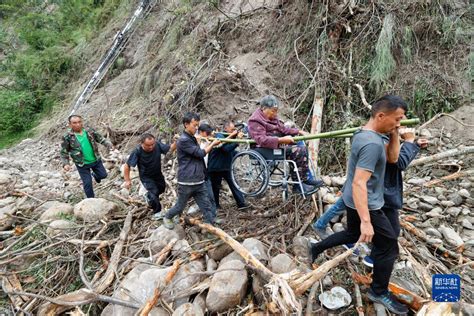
(269, 132)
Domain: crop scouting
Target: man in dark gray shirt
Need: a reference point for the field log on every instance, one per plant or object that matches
(363, 197)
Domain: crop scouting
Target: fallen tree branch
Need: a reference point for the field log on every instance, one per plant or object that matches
(150, 303)
(99, 286)
(445, 154)
(362, 96)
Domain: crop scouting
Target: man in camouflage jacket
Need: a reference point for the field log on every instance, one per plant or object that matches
(80, 144)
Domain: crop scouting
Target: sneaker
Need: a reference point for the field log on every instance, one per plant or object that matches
(314, 182)
(349, 246)
(158, 216)
(321, 232)
(168, 223)
(389, 301)
(307, 189)
(368, 261)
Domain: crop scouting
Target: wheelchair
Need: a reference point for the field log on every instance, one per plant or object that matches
(255, 169)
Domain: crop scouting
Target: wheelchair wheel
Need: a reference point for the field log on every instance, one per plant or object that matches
(249, 173)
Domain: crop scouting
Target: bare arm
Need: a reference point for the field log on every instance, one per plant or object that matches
(360, 197)
(393, 147)
(126, 176)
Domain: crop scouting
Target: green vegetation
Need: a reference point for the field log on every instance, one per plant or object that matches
(39, 55)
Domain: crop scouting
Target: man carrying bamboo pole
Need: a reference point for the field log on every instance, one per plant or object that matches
(269, 132)
(363, 195)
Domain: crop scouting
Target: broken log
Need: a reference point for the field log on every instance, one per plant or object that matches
(445, 154)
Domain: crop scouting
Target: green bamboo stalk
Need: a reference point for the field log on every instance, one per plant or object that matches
(347, 132)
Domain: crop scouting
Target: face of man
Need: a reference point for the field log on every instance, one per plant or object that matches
(204, 134)
(270, 113)
(387, 122)
(191, 127)
(149, 144)
(76, 124)
(230, 128)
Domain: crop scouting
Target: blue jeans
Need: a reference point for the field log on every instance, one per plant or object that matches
(98, 171)
(337, 209)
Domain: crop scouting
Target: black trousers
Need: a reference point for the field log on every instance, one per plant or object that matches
(86, 172)
(385, 243)
(154, 188)
(216, 181)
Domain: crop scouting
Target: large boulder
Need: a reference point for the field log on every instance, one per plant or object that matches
(161, 237)
(231, 256)
(53, 210)
(94, 209)
(228, 287)
(451, 236)
(256, 248)
(282, 263)
(59, 226)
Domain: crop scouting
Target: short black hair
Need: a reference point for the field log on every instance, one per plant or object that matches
(388, 103)
(146, 136)
(189, 116)
(227, 123)
(204, 127)
(73, 115)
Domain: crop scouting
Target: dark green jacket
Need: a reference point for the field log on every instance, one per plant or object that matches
(70, 146)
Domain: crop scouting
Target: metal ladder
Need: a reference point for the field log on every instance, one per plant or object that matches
(119, 43)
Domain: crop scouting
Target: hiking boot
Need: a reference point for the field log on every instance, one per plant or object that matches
(389, 301)
(314, 182)
(307, 189)
(168, 223)
(321, 232)
(368, 261)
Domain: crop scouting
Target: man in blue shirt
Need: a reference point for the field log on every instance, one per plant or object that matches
(220, 160)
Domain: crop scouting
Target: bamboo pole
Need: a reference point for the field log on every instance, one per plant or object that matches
(331, 134)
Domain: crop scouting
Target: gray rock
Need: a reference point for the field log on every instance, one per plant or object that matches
(464, 193)
(435, 213)
(329, 198)
(220, 252)
(5, 219)
(441, 198)
(338, 227)
(447, 203)
(211, 265)
(327, 180)
(228, 287)
(300, 247)
(425, 206)
(187, 276)
(54, 210)
(282, 263)
(162, 236)
(433, 232)
(231, 257)
(455, 198)
(451, 236)
(60, 226)
(256, 248)
(181, 249)
(440, 190)
(434, 241)
(7, 201)
(466, 211)
(94, 209)
(200, 301)
(453, 211)
(338, 181)
(429, 199)
(336, 298)
(416, 181)
(188, 309)
(467, 224)
(465, 184)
